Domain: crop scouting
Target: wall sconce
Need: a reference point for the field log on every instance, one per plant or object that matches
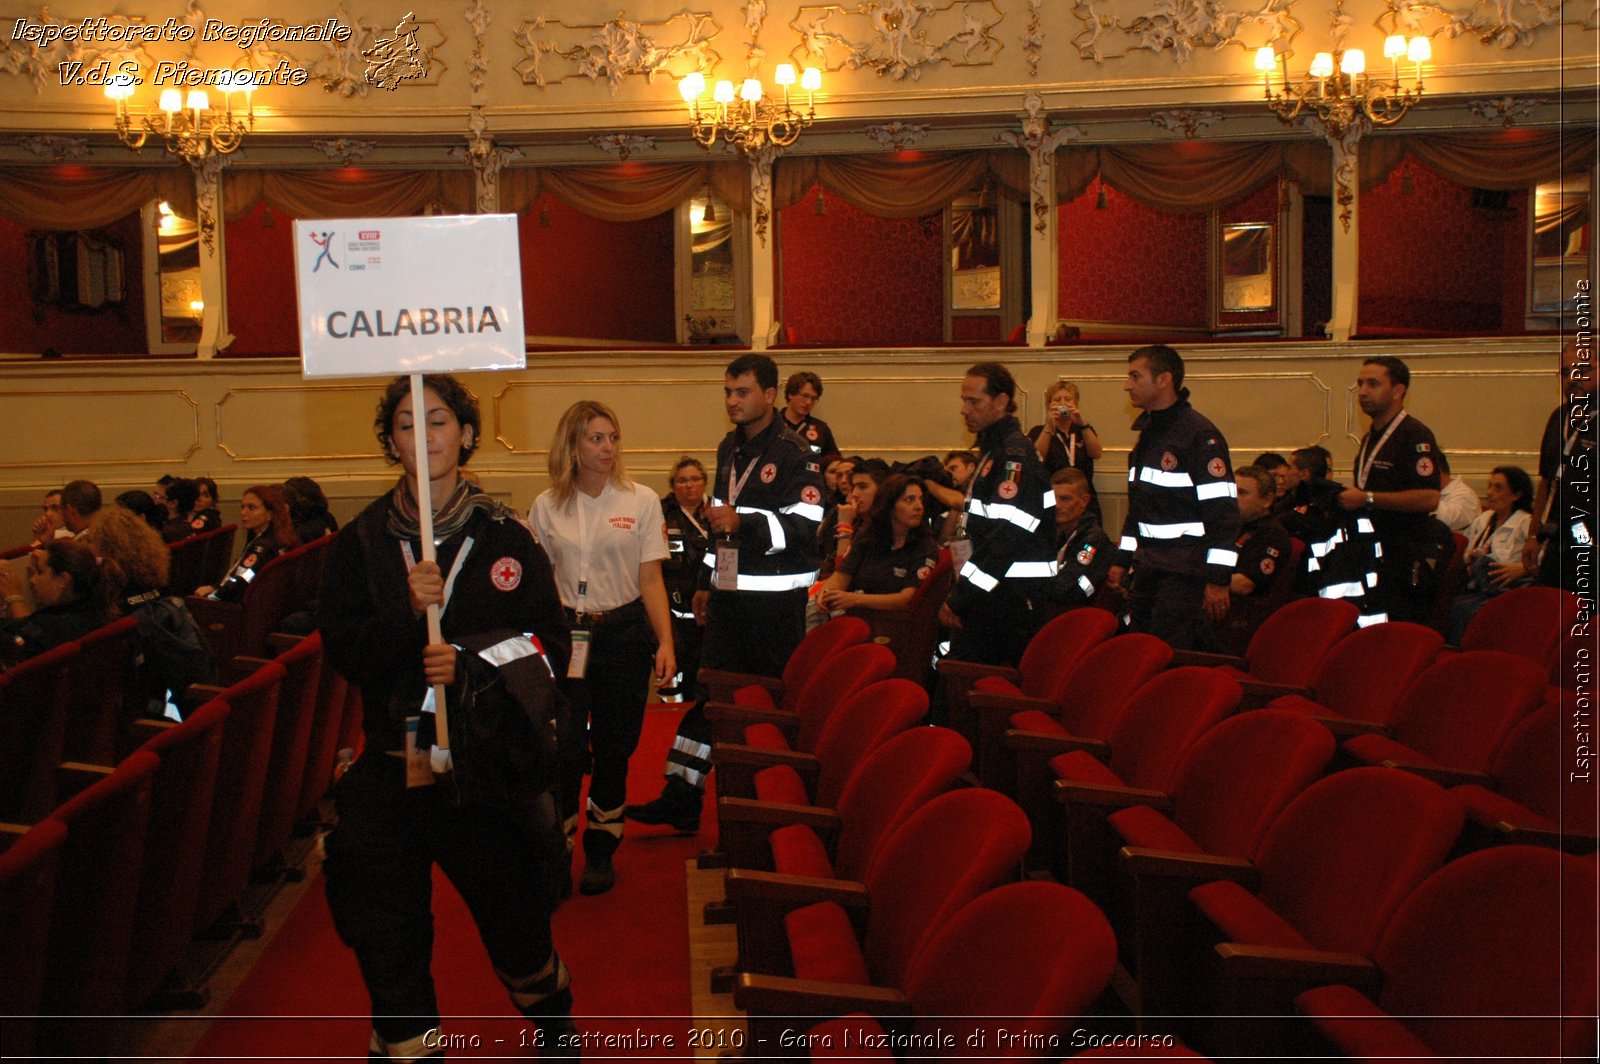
(749, 119)
(1336, 87)
(188, 126)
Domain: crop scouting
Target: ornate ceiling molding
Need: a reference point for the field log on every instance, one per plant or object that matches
(755, 16)
(1033, 37)
(1113, 28)
(1497, 23)
(343, 68)
(56, 149)
(898, 38)
(897, 135)
(623, 145)
(1186, 120)
(477, 16)
(43, 64)
(1507, 110)
(554, 51)
(344, 150)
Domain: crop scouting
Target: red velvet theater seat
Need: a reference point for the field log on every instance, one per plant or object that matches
(1492, 957)
(1365, 673)
(1015, 968)
(1455, 715)
(1045, 665)
(842, 675)
(1532, 800)
(947, 853)
(1528, 621)
(27, 896)
(748, 689)
(1290, 646)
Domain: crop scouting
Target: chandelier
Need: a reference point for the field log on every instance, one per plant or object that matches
(750, 120)
(1336, 88)
(188, 126)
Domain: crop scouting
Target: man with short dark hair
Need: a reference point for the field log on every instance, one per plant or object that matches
(1085, 554)
(80, 500)
(765, 508)
(1183, 517)
(1005, 544)
(800, 394)
(50, 524)
(1397, 488)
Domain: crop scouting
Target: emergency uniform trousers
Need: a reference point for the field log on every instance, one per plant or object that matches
(746, 631)
(602, 730)
(1169, 606)
(379, 876)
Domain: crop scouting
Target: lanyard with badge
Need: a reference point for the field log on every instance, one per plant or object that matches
(419, 768)
(727, 572)
(961, 544)
(578, 663)
(1366, 458)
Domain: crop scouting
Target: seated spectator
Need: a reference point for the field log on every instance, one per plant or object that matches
(73, 591)
(1278, 468)
(49, 524)
(172, 651)
(1085, 551)
(146, 508)
(1458, 503)
(264, 515)
(1493, 558)
(960, 465)
(864, 481)
(1311, 509)
(894, 552)
(1067, 440)
(308, 507)
(182, 494)
(836, 477)
(126, 537)
(80, 500)
(206, 515)
(1263, 545)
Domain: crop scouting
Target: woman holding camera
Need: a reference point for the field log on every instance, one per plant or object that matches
(605, 537)
(1067, 439)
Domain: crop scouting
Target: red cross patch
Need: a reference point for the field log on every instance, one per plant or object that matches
(811, 432)
(1216, 467)
(1169, 461)
(248, 561)
(1007, 489)
(506, 573)
(769, 473)
(810, 495)
(922, 573)
(198, 522)
(1424, 466)
(1267, 566)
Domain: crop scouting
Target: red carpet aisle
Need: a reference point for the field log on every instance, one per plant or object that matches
(628, 950)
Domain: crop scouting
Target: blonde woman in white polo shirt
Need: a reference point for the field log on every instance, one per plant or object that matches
(604, 535)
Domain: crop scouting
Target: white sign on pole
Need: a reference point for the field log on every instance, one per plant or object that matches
(380, 296)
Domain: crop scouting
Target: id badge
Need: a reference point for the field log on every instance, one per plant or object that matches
(727, 567)
(960, 552)
(419, 770)
(578, 664)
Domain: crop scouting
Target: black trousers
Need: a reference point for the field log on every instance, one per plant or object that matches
(602, 731)
(1170, 606)
(380, 885)
(746, 631)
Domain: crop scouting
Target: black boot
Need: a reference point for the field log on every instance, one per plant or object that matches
(678, 806)
(548, 1003)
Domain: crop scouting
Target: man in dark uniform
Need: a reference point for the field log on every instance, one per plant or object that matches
(1183, 513)
(1004, 548)
(1564, 507)
(800, 394)
(1397, 488)
(1264, 551)
(765, 510)
(1085, 554)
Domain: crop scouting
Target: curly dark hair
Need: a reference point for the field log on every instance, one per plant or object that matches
(462, 403)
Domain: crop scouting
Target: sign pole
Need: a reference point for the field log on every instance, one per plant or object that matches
(419, 439)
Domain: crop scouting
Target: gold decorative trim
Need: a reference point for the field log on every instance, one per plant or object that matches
(119, 394)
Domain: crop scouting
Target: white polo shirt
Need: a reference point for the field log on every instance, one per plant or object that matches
(601, 541)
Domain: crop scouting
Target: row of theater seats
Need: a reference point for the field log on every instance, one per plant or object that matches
(109, 895)
(201, 560)
(1192, 801)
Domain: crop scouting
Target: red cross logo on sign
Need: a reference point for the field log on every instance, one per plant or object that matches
(769, 473)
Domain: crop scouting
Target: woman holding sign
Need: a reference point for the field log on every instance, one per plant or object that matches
(491, 823)
(606, 536)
